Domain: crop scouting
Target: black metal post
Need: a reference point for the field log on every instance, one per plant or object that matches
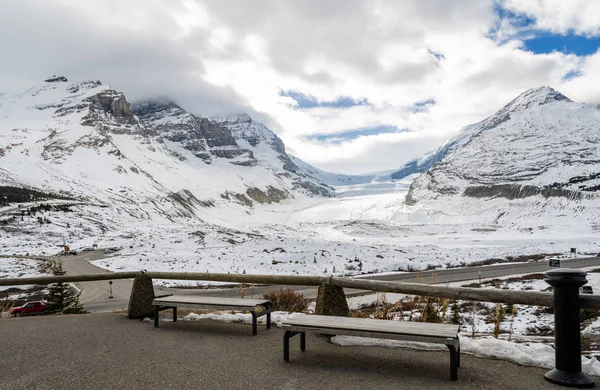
(268, 306)
(454, 362)
(287, 335)
(567, 338)
(254, 323)
(303, 341)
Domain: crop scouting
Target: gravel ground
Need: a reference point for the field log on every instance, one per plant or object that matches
(108, 351)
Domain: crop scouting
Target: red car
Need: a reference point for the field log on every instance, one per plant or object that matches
(30, 308)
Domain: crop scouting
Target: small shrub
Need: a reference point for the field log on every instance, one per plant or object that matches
(433, 310)
(498, 318)
(287, 299)
(455, 316)
(513, 312)
(588, 314)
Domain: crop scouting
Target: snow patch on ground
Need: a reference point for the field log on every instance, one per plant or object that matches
(528, 354)
(18, 268)
(277, 317)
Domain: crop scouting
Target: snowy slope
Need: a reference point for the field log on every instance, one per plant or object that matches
(534, 163)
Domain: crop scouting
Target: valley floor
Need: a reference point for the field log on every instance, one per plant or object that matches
(340, 236)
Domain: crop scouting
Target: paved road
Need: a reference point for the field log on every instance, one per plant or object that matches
(95, 294)
(108, 351)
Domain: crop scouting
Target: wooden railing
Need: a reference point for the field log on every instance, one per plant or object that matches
(566, 317)
(463, 293)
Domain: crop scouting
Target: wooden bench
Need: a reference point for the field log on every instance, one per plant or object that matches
(256, 307)
(366, 327)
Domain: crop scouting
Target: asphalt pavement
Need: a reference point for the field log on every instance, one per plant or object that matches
(108, 351)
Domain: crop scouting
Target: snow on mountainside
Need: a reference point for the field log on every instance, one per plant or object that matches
(269, 149)
(238, 140)
(536, 162)
(531, 98)
(83, 140)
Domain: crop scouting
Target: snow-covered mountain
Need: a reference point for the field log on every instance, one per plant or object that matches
(534, 162)
(84, 140)
(530, 98)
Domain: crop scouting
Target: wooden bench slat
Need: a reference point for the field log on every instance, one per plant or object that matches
(374, 325)
(212, 301)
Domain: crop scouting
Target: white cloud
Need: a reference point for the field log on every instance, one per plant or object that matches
(217, 57)
(583, 86)
(560, 16)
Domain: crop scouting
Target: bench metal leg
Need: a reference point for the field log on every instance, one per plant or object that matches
(268, 317)
(175, 314)
(156, 310)
(286, 345)
(458, 356)
(254, 325)
(453, 362)
(287, 335)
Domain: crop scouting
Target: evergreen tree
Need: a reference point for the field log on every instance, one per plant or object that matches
(60, 296)
(76, 307)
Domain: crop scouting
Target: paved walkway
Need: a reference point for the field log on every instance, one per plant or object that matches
(108, 351)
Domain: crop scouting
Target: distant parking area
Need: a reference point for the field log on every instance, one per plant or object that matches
(97, 351)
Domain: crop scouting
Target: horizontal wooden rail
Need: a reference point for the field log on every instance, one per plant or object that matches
(533, 298)
(45, 280)
(294, 280)
(461, 293)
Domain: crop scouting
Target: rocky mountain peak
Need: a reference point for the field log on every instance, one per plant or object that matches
(535, 97)
(54, 79)
(243, 127)
(113, 102)
(149, 107)
(240, 118)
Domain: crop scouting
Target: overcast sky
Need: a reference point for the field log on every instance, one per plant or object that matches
(350, 86)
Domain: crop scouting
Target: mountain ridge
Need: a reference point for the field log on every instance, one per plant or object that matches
(84, 140)
(532, 97)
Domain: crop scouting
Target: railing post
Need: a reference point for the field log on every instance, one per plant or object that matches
(567, 338)
(331, 301)
(142, 295)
